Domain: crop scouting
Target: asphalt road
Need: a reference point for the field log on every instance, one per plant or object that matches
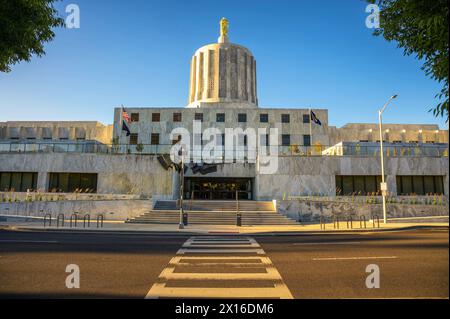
(412, 264)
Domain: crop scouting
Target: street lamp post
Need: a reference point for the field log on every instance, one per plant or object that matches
(181, 224)
(383, 186)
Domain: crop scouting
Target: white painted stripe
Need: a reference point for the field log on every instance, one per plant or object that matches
(356, 258)
(331, 243)
(178, 260)
(218, 238)
(278, 291)
(183, 251)
(219, 242)
(29, 241)
(252, 245)
(270, 274)
(224, 247)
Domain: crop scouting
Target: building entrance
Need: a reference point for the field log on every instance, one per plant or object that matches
(218, 188)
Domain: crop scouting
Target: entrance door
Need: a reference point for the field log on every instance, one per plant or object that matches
(218, 188)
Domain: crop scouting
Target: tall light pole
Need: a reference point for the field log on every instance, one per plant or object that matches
(383, 185)
(181, 223)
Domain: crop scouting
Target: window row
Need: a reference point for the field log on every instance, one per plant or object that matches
(73, 182)
(285, 139)
(406, 185)
(18, 181)
(220, 117)
(420, 185)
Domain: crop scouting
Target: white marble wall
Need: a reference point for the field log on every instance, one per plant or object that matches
(117, 174)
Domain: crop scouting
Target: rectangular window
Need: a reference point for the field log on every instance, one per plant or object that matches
(347, 185)
(155, 139)
(177, 117)
(306, 118)
(220, 117)
(73, 182)
(420, 185)
(242, 117)
(285, 140)
(264, 118)
(134, 138)
(198, 117)
(134, 117)
(156, 117)
(307, 140)
(285, 118)
(18, 181)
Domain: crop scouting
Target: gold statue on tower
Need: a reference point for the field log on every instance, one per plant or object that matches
(224, 27)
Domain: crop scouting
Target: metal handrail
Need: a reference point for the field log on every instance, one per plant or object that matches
(392, 150)
(190, 201)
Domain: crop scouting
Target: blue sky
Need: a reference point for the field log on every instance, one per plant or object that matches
(137, 53)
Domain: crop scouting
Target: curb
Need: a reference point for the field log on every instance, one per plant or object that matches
(214, 233)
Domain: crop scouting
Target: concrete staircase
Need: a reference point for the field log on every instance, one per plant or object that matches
(204, 212)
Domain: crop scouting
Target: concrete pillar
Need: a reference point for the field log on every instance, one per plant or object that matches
(175, 185)
(255, 187)
(446, 180)
(42, 181)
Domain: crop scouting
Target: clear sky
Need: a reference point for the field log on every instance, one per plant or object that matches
(137, 53)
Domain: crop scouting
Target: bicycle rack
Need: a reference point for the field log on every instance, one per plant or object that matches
(60, 216)
(335, 222)
(49, 220)
(88, 218)
(350, 221)
(322, 223)
(74, 216)
(100, 220)
(361, 220)
(376, 221)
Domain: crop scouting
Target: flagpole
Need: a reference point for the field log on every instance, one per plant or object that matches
(310, 128)
(120, 125)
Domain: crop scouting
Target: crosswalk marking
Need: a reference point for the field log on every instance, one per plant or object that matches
(239, 258)
(279, 291)
(183, 251)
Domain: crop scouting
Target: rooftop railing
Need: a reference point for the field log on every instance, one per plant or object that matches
(391, 150)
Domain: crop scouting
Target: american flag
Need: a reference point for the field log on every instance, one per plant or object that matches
(125, 115)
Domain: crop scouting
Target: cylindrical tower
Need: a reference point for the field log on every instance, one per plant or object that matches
(223, 73)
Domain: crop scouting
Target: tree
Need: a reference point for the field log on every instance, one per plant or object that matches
(24, 28)
(420, 27)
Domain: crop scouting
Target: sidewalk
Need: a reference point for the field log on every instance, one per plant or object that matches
(218, 229)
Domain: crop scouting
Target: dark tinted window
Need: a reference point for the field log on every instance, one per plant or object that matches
(285, 118)
(220, 117)
(155, 139)
(285, 140)
(177, 117)
(134, 117)
(264, 118)
(242, 117)
(134, 138)
(156, 117)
